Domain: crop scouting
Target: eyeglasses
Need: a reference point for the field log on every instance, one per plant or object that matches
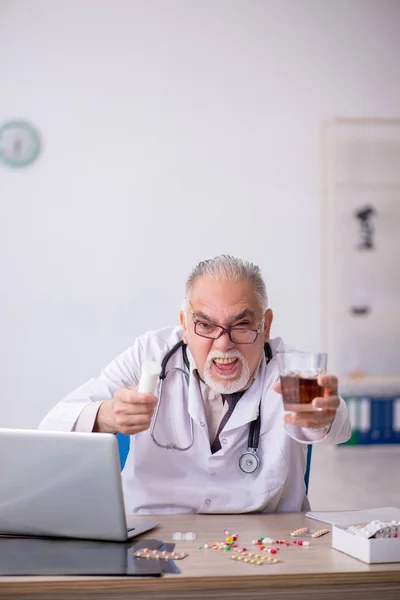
(237, 335)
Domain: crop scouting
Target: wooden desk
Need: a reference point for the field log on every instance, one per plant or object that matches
(315, 572)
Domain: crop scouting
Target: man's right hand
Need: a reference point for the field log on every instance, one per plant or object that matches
(128, 412)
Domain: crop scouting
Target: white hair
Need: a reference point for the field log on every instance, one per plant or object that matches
(231, 269)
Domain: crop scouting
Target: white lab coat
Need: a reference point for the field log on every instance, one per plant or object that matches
(157, 480)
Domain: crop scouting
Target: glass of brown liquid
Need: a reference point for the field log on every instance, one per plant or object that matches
(299, 372)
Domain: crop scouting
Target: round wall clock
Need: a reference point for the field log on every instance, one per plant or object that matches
(19, 143)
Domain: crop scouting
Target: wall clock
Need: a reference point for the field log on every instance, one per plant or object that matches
(19, 143)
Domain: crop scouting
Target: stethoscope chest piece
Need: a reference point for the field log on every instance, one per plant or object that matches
(249, 461)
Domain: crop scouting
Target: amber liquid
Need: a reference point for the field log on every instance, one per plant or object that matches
(297, 390)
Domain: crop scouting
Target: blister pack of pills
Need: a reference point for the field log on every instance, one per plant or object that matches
(376, 529)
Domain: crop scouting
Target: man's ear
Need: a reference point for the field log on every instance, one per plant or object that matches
(182, 318)
(268, 316)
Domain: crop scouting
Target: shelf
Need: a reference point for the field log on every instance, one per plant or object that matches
(370, 386)
(357, 185)
(365, 121)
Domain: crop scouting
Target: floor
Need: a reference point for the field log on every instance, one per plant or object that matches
(353, 477)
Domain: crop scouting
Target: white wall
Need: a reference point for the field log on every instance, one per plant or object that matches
(173, 130)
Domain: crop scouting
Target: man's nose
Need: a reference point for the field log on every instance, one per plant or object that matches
(223, 343)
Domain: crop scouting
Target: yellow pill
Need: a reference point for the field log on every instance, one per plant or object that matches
(240, 558)
(253, 561)
(260, 562)
(251, 553)
(246, 560)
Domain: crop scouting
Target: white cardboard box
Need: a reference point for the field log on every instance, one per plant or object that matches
(380, 550)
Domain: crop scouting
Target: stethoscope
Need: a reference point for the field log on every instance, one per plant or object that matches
(249, 461)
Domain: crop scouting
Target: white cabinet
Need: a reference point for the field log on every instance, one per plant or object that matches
(361, 230)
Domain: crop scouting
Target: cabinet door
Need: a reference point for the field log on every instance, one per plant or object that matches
(362, 259)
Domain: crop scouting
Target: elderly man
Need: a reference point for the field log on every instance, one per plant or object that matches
(221, 374)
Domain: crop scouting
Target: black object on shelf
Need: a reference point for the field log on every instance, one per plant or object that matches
(364, 215)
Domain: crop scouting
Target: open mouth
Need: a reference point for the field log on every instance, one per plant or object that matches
(225, 366)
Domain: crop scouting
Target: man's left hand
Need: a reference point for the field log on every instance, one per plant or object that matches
(327, 406)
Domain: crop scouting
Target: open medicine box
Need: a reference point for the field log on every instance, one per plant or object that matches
(372, 550)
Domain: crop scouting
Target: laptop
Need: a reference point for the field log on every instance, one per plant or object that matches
(64, 484)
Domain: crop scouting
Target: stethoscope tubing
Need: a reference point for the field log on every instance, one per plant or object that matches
(249, 461)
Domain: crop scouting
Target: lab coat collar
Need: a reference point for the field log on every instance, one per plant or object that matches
(247, 408)
(249, 404)
(195, 401)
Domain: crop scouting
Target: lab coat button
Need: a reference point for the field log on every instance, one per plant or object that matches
(213, 473)
(208, 501)
(224, 441)
(202, 424)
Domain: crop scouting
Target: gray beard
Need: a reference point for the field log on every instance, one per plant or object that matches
(226, 386)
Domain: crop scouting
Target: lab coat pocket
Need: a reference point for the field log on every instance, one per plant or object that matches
(274, 468)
